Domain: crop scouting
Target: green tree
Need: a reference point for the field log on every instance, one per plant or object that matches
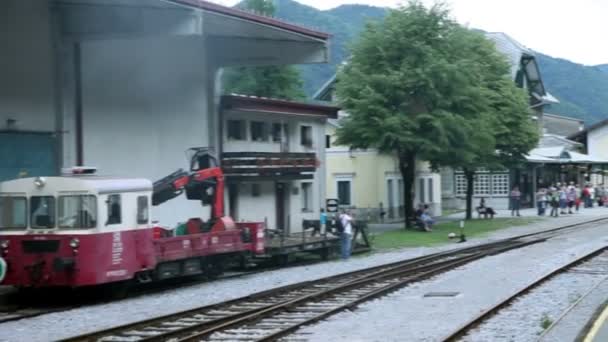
(417, 85)
(502, 134)
(269, 81)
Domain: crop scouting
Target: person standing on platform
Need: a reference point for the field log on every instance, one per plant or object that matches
(323, 222)
(515, 201)
(347, 233)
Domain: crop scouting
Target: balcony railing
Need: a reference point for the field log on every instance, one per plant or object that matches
(269, 165)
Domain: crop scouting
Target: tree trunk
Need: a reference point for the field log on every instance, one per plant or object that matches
(470, 177)
(407, 166)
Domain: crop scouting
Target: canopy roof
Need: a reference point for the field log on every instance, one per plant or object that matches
(560, 155)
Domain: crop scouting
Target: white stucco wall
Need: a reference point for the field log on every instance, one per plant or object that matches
(26, 66)
(597, 142)
(258, 208)
(144, 103)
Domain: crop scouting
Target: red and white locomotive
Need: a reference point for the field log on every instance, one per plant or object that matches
(81, 229)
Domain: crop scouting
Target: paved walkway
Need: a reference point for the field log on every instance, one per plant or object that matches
(532, 212)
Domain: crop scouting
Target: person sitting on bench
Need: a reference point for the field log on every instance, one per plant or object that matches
(485, 211)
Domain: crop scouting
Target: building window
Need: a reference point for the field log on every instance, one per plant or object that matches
(114, 211)
(255, 190)
(258, 131)
(276, 132)
(236, 130)
(484, 184)
(421, 190)
(461, 184)
(431, 197)
(306, 136)
(327, 141)
(500, 184)
(142, 209)
(344, 192)
(306, 196)
(481, 185)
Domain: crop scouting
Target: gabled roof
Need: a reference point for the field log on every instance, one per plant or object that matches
(589, 129)
(523, 60)
(324, 93)
(240, 14)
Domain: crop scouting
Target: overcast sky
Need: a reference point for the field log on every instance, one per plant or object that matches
(573, 29)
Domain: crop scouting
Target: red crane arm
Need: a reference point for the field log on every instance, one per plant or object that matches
(218, 199)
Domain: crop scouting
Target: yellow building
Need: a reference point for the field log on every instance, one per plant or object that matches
(370, 183)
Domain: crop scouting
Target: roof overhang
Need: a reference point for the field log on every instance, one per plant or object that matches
(254, 104)
(559, 155)
(233, 37)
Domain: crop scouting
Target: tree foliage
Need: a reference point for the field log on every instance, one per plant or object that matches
(269, 81)
(420, 86)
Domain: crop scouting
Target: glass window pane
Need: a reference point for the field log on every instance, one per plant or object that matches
(114, 210)
(142, 209)
(344, 192)
(258, 131)
(79, 211)
(42, 211)
(306, 196)
(13, 212)
(461, 184)
(421, 190)
(276, 132)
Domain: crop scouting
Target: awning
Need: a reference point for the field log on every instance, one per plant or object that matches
(559, 155)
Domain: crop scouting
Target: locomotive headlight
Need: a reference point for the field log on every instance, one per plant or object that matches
(75, 243)
(4, 244)
(39, 182)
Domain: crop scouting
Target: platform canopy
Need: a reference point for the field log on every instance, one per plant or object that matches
(233, 37)
(561, 155)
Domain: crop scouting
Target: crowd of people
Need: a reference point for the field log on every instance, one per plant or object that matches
(563, 198)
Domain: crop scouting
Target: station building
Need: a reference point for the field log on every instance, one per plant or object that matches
(127, 85)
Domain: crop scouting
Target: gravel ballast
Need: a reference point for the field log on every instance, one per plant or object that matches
(407, 315)
(527, 317)
(69, 323)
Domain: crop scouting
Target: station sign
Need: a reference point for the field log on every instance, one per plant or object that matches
(331, 205)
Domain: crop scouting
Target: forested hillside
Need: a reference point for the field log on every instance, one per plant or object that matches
(582, 90)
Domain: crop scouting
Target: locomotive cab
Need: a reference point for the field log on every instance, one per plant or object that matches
(75, 230)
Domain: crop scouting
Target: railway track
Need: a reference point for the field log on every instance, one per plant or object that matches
(27, 312)
(15, 312)
(595, 262)
(272, 314)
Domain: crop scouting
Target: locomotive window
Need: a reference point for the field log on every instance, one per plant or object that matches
(114, 211)
(78, 211)
(42, 212)
(13, 212)
(142, 209)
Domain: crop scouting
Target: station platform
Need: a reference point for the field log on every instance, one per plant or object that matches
(585, 320)
(598, 330)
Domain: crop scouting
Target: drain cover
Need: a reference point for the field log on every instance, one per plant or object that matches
(442, 294)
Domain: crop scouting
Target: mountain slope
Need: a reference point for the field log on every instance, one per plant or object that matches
(343, 23)
(582, 90)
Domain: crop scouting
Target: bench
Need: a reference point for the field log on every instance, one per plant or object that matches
(485, 211)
